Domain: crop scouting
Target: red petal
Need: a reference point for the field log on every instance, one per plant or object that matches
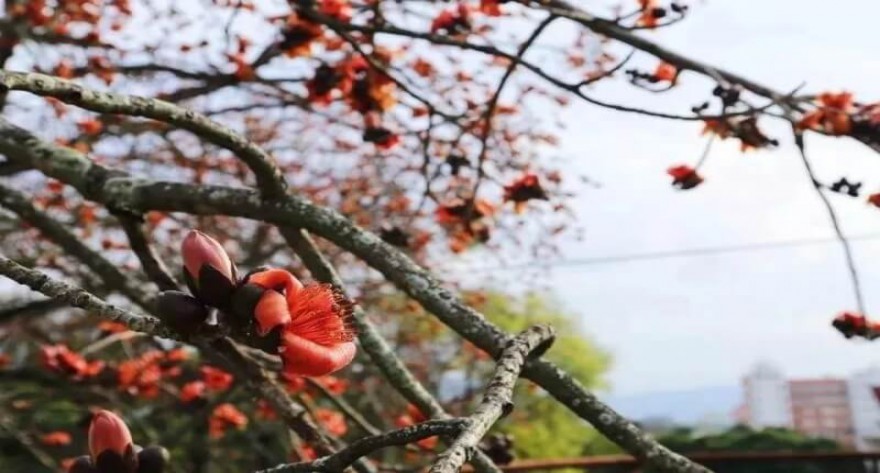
(307, 358)
(271, 311)
(277, 279)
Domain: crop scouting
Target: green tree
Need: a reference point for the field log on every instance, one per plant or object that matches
(540, 426)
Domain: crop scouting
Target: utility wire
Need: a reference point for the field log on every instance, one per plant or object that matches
(668, 254)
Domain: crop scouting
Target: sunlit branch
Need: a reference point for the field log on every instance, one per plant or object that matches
(498, 398)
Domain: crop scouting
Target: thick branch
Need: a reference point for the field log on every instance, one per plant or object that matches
(77, 297)
(498, 399)
(109, 273)
(263, 165)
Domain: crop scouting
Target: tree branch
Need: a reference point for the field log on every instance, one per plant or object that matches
(342, 459)
(498, 399)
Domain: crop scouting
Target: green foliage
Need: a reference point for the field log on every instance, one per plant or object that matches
(543, 428)
(745, 439)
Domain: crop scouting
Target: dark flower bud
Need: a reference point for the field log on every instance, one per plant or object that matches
(153, 460)
(82, 464)
(181, 311)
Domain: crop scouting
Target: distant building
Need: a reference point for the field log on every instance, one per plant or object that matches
(767, 402)
(821, 408)
(844, 410)
(864, 400)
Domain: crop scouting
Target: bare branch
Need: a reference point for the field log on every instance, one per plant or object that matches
(498, 399)
(360, 448)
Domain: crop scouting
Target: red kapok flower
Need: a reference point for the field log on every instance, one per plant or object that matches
(108, 432)
(524, 189)
(109, 326)
(490, 7)
(265, 411)
(61, 359)
(333, 384)
(317, 341)
(854, 324)
(332, 421)
(192, 391)
(338, 9)
(452, 21)
(413, 416)
(684, 177)
(833, 114)
(272, 309)
(58, 438)
(91, 126)
(665, 72)
(216, 379)
(223, 417)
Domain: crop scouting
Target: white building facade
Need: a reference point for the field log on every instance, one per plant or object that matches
(768, 403)
(864, 398)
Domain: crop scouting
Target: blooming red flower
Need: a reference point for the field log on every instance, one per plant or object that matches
(665, 72)
(293, 383)
(490, 7)
(338, 9)
(333, 384)
(265, 411)
(456, 211)
(332, 421)
(141, 376)
(299, 34)
(647, 18)
(108, 432)
(413, 416)
(58, 438)
(223, 417)
(176, 355)
(524, 189)
(684, 177)
(5, 359)
(833, 115)
(453, 20)
(216, 379)
(315, 337)
(61, 359)
(192, 391)
(852, 324)
(90, 126)
(109, 326)
(874, 199)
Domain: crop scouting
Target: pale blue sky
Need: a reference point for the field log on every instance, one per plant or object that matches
(689, 322)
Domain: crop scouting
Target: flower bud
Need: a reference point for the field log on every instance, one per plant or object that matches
(208, 271)
(108, 432)
(153, 460)
(180, 311)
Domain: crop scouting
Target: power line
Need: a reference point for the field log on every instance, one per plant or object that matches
(668, 254)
